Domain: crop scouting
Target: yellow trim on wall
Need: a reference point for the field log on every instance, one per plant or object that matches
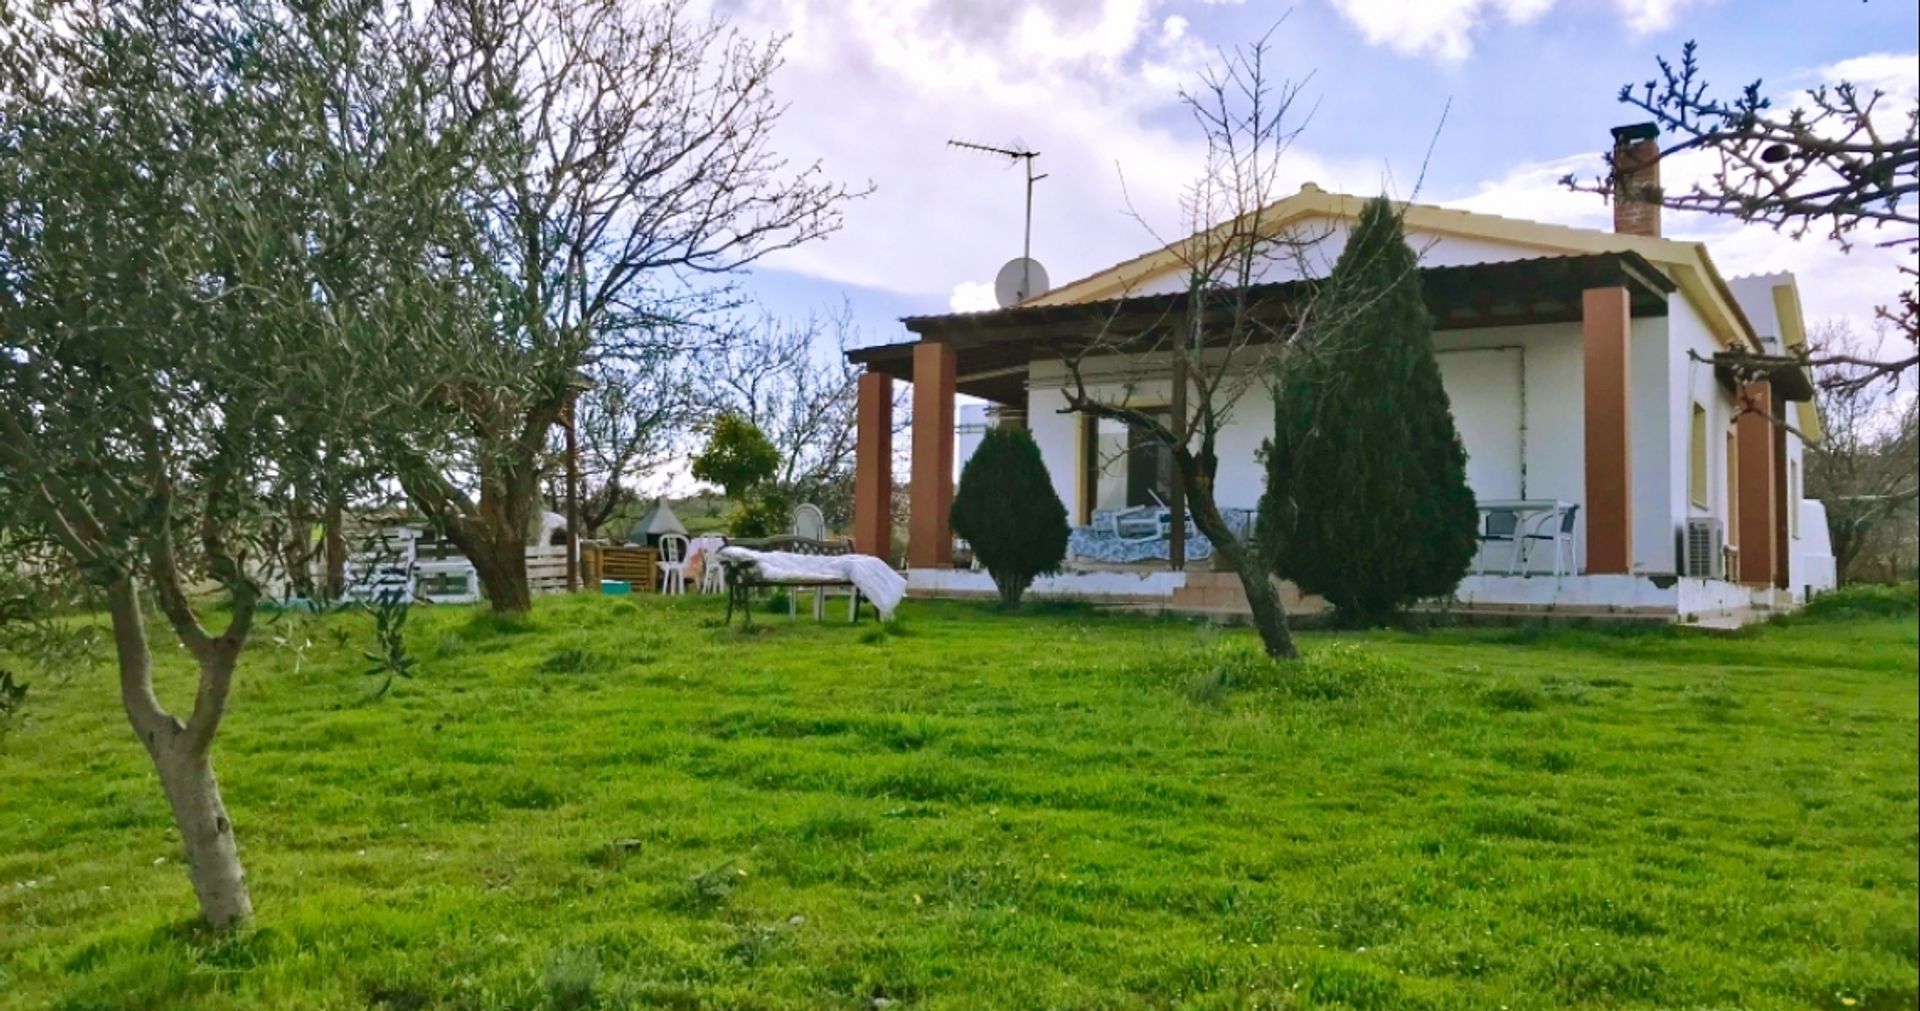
(1793, 336)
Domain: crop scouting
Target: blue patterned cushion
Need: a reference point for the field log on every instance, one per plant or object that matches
(1095, 544)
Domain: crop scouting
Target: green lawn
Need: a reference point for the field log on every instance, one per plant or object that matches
(622, 805)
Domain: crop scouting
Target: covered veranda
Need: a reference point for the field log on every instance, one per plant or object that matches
(990, 355)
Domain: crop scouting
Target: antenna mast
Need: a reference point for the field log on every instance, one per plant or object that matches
(1027, 157)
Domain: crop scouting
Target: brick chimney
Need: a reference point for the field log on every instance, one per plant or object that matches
(1636, 180)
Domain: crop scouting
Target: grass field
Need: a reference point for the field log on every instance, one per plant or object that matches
(620, 805)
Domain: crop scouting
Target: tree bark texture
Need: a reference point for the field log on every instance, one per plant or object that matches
(335, 545)
(1263, 599)
(180, 755)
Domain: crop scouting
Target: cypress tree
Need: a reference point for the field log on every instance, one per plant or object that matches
(1367, 500)
(1007, 510)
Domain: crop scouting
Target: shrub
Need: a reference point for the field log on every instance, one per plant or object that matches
(737, 457)
(763, 513)
(1006, 508)
(1367, 500)
(1865, 600)
(13, 697)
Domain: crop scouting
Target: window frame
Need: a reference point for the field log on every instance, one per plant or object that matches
(1699, 460)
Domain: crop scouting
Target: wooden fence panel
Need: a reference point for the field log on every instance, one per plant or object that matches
(439, 575)
(547, 569)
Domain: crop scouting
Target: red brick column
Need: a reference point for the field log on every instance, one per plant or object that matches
(1753, 436)
(930, 492)
(1606, 334)
(873, 467)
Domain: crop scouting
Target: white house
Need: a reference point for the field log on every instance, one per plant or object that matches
(1616, 378)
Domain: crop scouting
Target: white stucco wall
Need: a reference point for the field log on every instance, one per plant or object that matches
(1694, 383)
(1518, 398)
(1651, 394)
(1323, 240)
(1809, 556)
(1241, 478)
(1056, 434)
(1812, 563)
(1805, 564)
(1498, 379)
(1546, 458)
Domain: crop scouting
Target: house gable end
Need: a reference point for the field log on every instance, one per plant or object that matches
(1445, 236)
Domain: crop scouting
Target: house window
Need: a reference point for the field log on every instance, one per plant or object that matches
(1697, 475)
(1124, 466)
(1793, 498)
(1733, 490)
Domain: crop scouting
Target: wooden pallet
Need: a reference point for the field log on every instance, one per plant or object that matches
(639, 567)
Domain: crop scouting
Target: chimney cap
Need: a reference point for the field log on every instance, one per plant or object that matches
(1635, 131)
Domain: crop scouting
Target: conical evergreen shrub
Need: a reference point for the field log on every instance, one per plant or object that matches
(1367, 500)
(1007, 510)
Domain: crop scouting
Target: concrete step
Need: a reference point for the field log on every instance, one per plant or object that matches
(1220, 592)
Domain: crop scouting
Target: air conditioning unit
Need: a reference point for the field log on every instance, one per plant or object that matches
(1704, 551)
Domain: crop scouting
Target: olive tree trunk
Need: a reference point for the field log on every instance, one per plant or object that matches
(502, 569)
(334, 542)
(490, 528)
(181, 756)
(494, 537)
(1263, 598)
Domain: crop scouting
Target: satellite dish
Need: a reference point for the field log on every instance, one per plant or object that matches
(1022, 278)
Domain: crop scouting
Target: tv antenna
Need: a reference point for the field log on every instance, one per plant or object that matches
(1022, 278)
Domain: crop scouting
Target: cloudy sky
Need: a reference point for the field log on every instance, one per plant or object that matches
(1527, 88)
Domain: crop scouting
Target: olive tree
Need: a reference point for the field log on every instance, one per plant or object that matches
(165, 170)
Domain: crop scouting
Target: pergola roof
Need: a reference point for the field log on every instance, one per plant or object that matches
(1790, 377)
(994, 348)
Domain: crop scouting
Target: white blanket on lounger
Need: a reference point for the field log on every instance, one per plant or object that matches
(875, 579)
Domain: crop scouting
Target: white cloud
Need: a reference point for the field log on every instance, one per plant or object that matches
(1445, 28)
(875, 88)
(1897, 74)
(1533, 192)
(1835, 284)
(1644, 16)
(1441, 27)
(972, 296)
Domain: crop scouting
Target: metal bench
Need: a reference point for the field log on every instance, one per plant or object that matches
(743, 577)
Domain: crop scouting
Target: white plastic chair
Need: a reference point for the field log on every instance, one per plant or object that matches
(1560, 536)
(713, 576)
(673, 563)
(809, 522)
(1500, 526)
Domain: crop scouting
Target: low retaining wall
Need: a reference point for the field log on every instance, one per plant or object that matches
(1665, 598)
(1096, 587)
(1638, 597)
